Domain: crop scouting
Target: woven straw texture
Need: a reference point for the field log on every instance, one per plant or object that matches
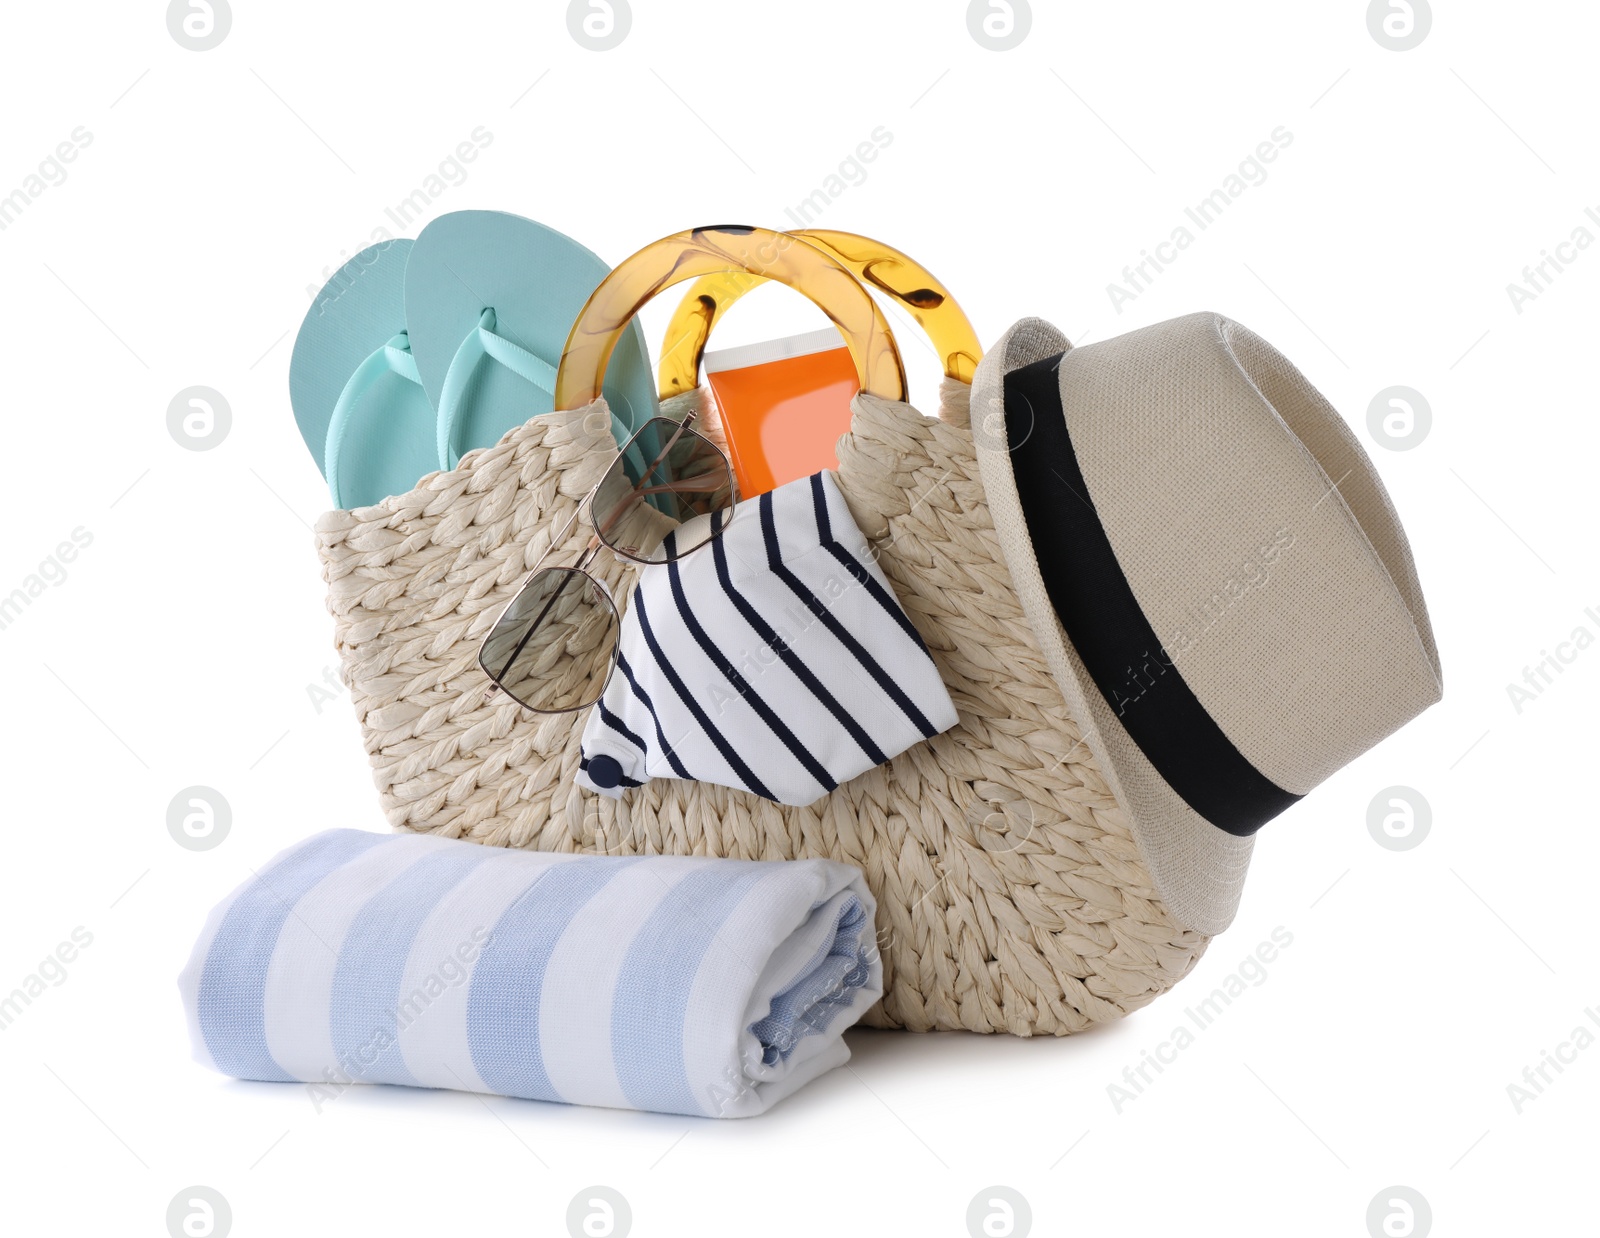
(1011, 894)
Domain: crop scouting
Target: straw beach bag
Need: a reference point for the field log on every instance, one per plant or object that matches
(1013, 895)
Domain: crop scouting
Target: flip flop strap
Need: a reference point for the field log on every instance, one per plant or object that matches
(392, 357)
(482, 341)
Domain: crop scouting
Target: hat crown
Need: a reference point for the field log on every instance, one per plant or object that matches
(1258, 540)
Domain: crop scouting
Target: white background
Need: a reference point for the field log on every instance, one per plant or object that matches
(179, 648)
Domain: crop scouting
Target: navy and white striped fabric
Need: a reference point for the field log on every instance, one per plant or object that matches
(776, 660)
(677, 984)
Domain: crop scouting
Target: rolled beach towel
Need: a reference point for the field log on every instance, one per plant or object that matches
(677, 984)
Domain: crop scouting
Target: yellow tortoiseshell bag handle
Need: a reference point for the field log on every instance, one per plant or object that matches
(717, 252)
(877, 265)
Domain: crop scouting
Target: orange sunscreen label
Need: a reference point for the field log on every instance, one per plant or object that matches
(785, 403)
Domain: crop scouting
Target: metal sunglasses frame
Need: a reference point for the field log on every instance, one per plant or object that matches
(596, 543)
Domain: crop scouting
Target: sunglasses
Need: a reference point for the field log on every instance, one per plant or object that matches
(552, 650)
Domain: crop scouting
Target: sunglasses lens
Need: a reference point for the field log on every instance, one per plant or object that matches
(552, 649)
(656, 502)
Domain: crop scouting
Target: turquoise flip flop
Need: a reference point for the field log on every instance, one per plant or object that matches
(353, 382)
(490, 286)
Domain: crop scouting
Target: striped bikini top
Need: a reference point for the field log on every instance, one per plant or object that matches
(776, 659)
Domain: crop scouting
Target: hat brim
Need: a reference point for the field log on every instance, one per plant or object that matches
(1197, 869)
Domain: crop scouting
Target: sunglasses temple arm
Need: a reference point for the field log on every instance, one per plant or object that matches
(690, 485)
(677, 487)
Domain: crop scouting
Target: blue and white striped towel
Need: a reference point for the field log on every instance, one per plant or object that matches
(775, 660)
(685, 985)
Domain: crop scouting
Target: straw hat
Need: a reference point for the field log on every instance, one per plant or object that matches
(1215, 575)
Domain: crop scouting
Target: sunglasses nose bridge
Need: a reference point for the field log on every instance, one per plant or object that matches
(588, 557)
